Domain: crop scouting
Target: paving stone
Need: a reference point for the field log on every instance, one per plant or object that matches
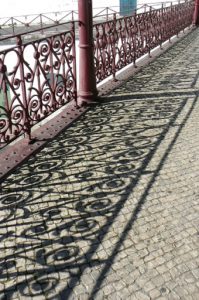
(155, 293)
(196, 273)
(140, 295)
(108, 289)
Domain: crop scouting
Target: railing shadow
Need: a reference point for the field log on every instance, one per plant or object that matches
(59, 207)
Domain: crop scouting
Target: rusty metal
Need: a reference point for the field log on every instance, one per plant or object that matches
(36, 79)
(122, 41)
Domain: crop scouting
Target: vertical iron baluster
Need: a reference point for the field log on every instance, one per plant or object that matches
(135, 39)
(161, 30)
(53, 81)
(74, 60)
(114, 46)
(27, 124)
(6, 106)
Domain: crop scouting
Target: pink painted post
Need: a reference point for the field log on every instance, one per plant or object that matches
(87, 81)
(196, 13)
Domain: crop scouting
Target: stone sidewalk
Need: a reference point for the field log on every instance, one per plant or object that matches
(109, 209)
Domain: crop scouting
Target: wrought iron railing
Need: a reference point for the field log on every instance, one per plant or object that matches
(122, 41)
(38, 76)
(36, 79)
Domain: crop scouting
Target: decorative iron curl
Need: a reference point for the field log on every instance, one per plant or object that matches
(42, 80)
(122, 41)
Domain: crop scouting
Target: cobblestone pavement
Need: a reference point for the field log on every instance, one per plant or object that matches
(109, 209)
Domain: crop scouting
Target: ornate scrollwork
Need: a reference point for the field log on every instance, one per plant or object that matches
(120, 42)
(36, 78)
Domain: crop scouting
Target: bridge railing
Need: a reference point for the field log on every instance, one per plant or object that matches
(38, 75)
(36, 79)
(121, 41)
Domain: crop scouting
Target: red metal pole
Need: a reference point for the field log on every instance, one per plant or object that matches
(196, 13)
(87, 81)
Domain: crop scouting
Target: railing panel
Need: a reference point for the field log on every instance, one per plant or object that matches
(36, 79)
(122, 41)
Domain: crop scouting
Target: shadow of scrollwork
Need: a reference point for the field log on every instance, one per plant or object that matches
(70, 193)
(57, 208)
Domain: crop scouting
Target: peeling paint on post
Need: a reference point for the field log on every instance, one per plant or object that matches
(87, 81)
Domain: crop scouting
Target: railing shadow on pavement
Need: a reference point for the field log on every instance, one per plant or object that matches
(58, 208)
